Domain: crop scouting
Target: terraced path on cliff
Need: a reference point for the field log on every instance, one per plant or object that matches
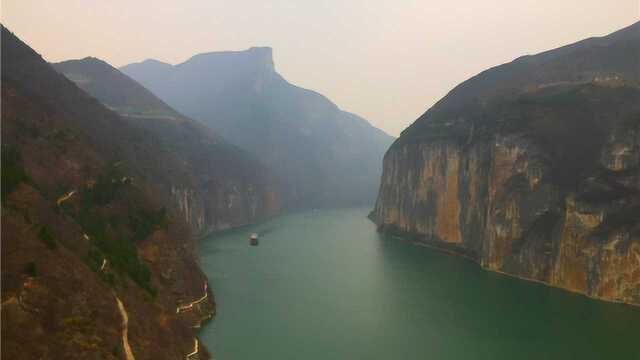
(65, 197)
(194, 354)
(125, 330)
(190, 305)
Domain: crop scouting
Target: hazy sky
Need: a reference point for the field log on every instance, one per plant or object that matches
(387, 60)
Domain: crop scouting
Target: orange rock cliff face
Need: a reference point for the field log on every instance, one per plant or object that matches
(532, 230)
(532, 169)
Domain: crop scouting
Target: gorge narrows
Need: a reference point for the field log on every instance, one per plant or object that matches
(207, 206)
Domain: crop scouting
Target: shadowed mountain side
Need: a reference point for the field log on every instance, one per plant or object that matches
(230, 187)
(114, 89)
(327, 157)
(90, 230)
(613, 59)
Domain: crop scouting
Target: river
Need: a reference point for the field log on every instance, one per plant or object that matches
(325, 285)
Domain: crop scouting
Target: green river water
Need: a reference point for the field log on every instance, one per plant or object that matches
(324, 285)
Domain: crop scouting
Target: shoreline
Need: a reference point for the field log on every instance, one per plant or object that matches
(506, 274)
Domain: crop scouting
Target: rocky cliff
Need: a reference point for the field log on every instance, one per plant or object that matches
(96, 261)
(531, 168)
(221, 186)
(325, 156)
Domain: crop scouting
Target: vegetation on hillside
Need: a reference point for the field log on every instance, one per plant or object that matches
(13, 172)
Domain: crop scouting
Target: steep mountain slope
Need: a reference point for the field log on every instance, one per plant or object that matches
(532, 168)
(229, 188)
(327, 157)
(96, 260)
(112, 88)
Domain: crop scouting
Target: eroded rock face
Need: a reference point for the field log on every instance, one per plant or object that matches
(496, 201)
(220, 207)
(532, 169)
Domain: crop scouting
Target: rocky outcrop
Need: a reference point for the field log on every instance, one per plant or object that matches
(542, 184)
(219, 207)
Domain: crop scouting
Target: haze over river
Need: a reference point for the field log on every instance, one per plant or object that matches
(325, 285)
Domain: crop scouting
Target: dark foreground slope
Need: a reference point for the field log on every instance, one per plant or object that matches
(228, 187)
(532, 168)
(90, 237)
(327, 157)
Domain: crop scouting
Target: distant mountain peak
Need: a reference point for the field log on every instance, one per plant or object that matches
(91, 62)
(256, 58)
(327, 157)
(113, 88)
(268, 50)
(154, 62)
(92, 59)
(263, 54)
